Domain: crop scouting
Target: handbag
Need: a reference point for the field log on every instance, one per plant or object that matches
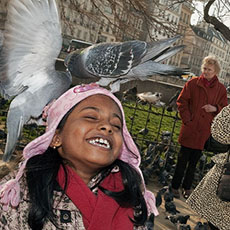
(223, 190)
(212, 145)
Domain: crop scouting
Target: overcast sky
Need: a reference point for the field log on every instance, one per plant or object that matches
(199, 12)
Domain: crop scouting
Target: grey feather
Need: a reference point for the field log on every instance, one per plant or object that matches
(118, 62)
(31, 43)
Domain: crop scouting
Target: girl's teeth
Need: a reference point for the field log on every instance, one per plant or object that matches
(100, 142)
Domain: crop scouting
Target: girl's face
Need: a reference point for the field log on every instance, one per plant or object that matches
(92, 135)
(208, 71)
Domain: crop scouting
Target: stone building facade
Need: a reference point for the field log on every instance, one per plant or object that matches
(94, 22)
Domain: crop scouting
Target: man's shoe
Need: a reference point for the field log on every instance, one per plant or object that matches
(176, 193)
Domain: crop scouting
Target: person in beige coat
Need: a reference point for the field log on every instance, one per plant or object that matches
(204, 199)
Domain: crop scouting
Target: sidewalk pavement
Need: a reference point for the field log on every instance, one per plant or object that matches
(161, 223)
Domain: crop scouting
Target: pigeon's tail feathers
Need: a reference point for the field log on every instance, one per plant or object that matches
(15, 124)
(157, 47)
(169, 53)
(151, 68)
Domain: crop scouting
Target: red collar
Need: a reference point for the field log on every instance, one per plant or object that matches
(98, 210)
(207, 83)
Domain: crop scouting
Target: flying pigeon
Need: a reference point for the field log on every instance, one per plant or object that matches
(149, 97)
(119, 62)
(32, 41)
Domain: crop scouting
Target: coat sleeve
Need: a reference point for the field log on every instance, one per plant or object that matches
(9, 218)
(222, 99)
(220, 128)
(183, 103)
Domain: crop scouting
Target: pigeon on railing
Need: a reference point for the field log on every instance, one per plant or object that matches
(149, 97)
(130, 94)
(172, 105)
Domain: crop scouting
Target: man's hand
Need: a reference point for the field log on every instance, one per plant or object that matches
(209, 108)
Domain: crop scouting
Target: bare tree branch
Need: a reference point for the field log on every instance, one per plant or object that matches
(218, 25)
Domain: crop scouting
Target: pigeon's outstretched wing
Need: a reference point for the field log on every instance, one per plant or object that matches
(116, 63)
(112, 60)
(31, 43)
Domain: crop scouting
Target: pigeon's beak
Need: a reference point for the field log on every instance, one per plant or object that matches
(70, 60)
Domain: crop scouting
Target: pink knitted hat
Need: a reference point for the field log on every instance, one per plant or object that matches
(55, 111)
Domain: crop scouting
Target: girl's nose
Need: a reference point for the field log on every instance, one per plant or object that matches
(106, 127)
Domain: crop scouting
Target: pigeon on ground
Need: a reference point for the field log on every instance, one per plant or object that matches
(170, 207)
(151, 98)
(183, 227)
(32, 41)
(178, 219)
(168, 196)
(201, 226)
(159, 196)
(150, 222)
(119, 62)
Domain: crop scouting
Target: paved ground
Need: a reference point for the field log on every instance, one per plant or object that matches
(161, 223)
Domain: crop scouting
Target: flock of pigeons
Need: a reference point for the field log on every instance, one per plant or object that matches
(159, 161)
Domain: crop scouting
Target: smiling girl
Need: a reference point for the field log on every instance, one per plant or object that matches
(83, 173)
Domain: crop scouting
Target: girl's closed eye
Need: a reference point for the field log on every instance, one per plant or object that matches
(117, 127)
(116, 124)
(91, 117)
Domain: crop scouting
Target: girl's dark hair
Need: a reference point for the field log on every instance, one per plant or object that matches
(41, 174)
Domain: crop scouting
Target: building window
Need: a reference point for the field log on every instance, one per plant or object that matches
(85, 35)
(79, 33)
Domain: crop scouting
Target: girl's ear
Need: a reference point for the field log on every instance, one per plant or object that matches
(56, 141)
